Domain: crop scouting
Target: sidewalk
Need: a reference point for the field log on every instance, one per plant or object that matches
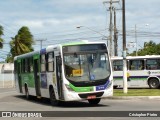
(7, 84)
(134, 97)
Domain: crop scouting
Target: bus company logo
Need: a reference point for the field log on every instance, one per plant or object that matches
(149, 72)
(154, 72)
(6, 114)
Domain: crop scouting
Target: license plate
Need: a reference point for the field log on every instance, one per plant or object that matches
(91, 97)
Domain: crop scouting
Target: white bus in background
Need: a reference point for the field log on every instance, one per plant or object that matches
(142, 71)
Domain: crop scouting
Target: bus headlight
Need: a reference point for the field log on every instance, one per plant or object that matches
(68, 88)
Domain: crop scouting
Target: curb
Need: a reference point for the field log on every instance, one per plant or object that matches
(135, 97)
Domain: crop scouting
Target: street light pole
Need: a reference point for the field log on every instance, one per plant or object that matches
(136, 38)
(125, 87)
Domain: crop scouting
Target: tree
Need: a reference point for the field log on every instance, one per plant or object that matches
(21, 43)
(9, 58)
(150, 48)
(1, 40)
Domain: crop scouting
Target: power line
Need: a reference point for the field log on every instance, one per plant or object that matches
(41, 40)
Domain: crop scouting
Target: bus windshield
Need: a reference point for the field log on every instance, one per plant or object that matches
(86, 67)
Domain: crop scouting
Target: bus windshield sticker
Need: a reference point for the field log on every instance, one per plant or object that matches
(92, 77)
(77, 72)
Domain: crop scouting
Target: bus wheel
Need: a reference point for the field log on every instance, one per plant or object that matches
(153, 83)
(94, 101)
(53, 100)
(27, 93)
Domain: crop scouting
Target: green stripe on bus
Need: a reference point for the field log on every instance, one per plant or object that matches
(131, 78)
(73, 43)
(138, 78)
(36, 56)
(81, 89)
(19, 60)
(118, 78)
(29, 79)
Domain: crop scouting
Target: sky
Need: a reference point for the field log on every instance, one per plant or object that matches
(55, 21)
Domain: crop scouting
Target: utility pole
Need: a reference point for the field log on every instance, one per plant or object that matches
(136, 38)
(115, 35)
(41, 40)
(111, 25)
(110, 28)
(125, 88)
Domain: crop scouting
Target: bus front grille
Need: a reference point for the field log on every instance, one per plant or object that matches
(98, 94)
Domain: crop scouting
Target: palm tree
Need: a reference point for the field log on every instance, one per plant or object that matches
(22, 42)
(1, 40)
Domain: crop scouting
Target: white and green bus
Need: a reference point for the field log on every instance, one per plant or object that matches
(142, 71)
(66, 72)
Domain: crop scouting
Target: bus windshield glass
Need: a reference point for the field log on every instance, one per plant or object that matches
(86, 66)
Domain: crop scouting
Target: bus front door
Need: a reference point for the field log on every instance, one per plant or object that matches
(36, 77)
(59, 76)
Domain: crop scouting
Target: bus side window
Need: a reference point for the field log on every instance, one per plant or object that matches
(118, 65)
(158, 64)
(50, 62)
(27, 65)
(152, 64)
(23, 66)
(148, 67)
(132, 67)
(136, 64)
(31, 64)
(43, 62)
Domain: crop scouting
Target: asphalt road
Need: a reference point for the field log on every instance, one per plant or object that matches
(10, 100)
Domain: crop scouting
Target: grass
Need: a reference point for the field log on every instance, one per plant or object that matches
(137, 92)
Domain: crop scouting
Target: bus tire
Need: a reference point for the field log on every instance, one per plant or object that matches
(27, 93)
(153, 83)
(94, 101)
(53, 100)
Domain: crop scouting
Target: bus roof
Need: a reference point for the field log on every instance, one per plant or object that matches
(136, 57)
(81, 42)
(56, 47)
(26, 55)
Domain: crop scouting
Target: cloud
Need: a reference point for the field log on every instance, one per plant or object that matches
(29, 23)
(57, 15)
(68, 22)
